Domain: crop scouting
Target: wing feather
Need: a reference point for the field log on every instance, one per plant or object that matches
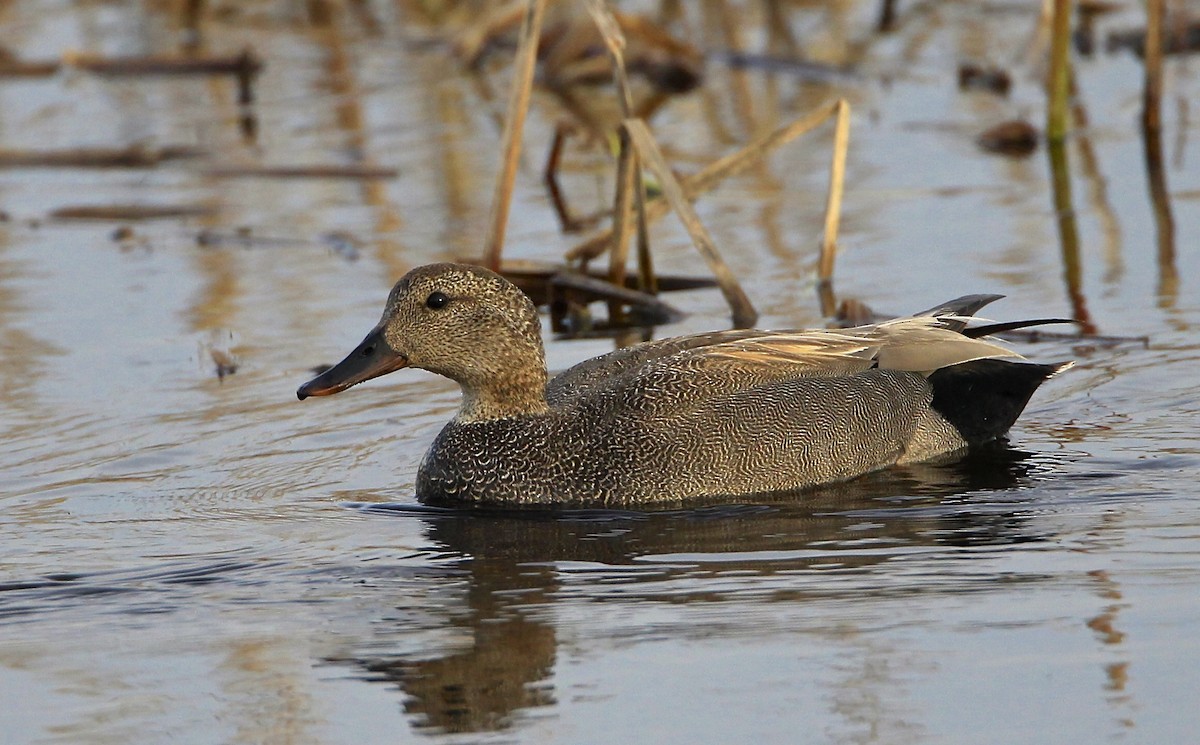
(725, 361)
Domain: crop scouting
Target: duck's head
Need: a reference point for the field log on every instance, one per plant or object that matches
(464, 322)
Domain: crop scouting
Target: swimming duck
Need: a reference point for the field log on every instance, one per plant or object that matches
(726, 413)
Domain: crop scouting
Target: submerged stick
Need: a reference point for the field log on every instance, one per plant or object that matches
(650, 307)
(244, 64)
(244, 68)
(639, 135)
(135, 156)
(354, 172)
(131, 211)
(518, 107)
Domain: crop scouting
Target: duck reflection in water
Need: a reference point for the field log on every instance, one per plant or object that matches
(513, 580)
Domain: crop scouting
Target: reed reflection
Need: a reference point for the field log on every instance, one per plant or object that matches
(349, 113)
(511, 562)
(1160, 200)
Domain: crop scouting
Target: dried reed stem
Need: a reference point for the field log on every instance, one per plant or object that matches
(639, 135)
(1058, 82)
(518, 107)
(630, 186)
(837, 181)
(614, 42)
(712, 175)
(833, 210)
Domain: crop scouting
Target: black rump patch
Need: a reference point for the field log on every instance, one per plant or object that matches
(983, 398)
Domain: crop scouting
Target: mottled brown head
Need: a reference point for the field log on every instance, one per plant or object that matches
(464, 322)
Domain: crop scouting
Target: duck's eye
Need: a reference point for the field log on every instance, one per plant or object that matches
(436, 300)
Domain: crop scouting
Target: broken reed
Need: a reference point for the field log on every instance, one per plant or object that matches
(639, 147)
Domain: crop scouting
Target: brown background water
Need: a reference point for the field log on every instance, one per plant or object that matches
(193, 559)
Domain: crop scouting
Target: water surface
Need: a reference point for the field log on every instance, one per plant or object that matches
(192, 558)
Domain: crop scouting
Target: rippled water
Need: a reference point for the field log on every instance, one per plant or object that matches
(190, 558)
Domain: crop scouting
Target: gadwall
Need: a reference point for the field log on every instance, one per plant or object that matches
(720, 414)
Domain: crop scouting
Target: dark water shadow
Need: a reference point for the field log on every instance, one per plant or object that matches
(153, 590)
(513, 565)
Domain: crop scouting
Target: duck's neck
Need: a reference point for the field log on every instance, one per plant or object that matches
(504, 396)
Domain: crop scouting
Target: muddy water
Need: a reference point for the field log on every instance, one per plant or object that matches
(195, 558)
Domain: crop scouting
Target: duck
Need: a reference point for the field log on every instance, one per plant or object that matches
(724, 414)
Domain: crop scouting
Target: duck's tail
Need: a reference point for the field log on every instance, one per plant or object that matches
(982, 398)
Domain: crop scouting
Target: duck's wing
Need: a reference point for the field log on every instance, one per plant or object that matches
(920, 344)
(780, 353)
(726, 362)
(577, 381)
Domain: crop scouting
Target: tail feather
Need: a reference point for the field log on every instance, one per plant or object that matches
(960, 308)
(997, 328)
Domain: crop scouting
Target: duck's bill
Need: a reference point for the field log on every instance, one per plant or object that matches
(370, 359)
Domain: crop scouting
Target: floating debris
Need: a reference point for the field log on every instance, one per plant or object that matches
(535, 277)
(340, 242)
(800, 69)
(244, 65)
(1084, 35)
(226, 363)
(243, 237)
(571, 291)
(129, 239)
(351, 172)
(344, 244)
(135, 156)
(123, 233)
(977, 77)
(131, 212)
(244, 68)
(1177, 38)
(1016, 138)
(218, 346)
